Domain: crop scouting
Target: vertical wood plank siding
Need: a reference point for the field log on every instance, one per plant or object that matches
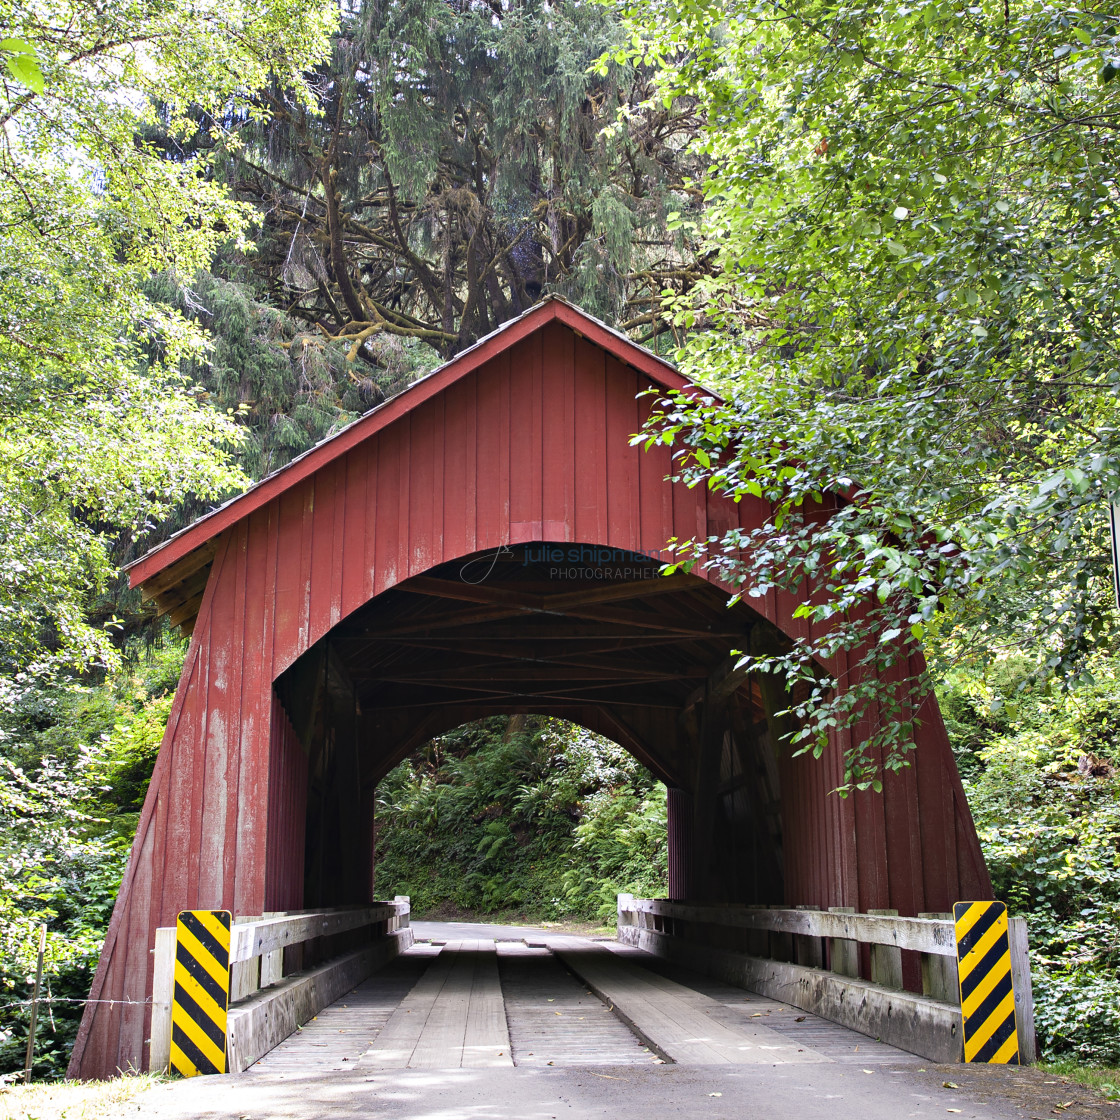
(287, 795)
(531, 443)
(679, 842)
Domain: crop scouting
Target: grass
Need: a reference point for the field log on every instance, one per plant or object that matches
(73, 1100)
(1104, 1079)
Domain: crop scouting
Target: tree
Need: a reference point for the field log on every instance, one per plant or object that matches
(913, 211)
(463, 162)
(95, 439)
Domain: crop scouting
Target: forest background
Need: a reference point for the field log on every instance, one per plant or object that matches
(886, 233)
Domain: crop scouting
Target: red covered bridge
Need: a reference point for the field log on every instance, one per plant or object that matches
(486, 543)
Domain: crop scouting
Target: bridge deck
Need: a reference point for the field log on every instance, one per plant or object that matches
(477, 1003)
(680, 1023)
(452, 1019)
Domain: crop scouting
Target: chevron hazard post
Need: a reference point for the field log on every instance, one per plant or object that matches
(201, 1000)
(987, 998)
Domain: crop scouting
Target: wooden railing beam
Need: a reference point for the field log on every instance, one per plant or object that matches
(265, 936)
(923, 935)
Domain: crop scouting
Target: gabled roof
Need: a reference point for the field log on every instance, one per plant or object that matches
(190, 550)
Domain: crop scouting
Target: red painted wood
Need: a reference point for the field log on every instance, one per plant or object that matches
(525, 438)
(558, 434)
(402, 531)
(211, 525)
(254, 725)
(387, 484)
(460, 465)
(234, 762)
(623, 519)
(589, 451)
(320, 552)
(286, 820)
(96, 1043)
(135, 970)
(526, 463)
(423, 517)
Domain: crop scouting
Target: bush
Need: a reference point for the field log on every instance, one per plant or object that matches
(75, 760)
(521, 813)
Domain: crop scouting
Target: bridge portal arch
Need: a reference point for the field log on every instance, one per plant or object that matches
(333, 624)
(567, 629)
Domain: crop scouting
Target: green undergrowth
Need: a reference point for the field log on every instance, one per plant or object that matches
(1042, 774)
(75, 760)
(521, 815)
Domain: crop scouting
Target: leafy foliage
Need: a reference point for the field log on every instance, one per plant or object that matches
(95, 440)
(913, 213)
(1043, 780)
(533, 814)
(74, 767)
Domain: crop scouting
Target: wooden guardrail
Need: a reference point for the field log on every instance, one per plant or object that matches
(284, 969)
(812, 959)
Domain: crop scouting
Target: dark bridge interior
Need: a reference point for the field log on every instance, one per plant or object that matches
(580, 632)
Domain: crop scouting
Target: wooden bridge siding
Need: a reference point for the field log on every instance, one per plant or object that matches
(285, 575)
(111, 1037)
(287, 817)
(920, 831)
(679, 843)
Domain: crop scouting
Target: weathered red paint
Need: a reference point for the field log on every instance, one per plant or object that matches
(525, 438)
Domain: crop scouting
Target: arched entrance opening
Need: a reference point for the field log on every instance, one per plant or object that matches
(575, 630)
(522, 818)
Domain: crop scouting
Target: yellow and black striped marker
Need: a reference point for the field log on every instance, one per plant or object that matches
(198, 1012)
(987, 998)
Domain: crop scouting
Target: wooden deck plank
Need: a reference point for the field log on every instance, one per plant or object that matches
(678, 1022)
(555, 1021)
(338, 1036)
(486, 1044)
(440, 1044)
(394, 1046)
(454, 1017)
(831, 1039)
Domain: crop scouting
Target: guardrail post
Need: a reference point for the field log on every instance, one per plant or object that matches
(403, 920)
(810, 950)
(163, 991)
(625, 910)
(244, 976)
(843, 954)
(1024, 994)
(781, 944)
(272, 964)
(886, 960)
(757, 940)
(939, 974)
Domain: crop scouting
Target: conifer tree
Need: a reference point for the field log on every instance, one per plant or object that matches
(466, 159)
